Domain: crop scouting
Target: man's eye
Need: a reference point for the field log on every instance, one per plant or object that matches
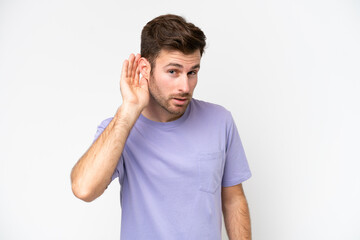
(172, 71)
(192, 73)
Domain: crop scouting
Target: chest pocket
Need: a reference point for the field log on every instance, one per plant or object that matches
(210, 166)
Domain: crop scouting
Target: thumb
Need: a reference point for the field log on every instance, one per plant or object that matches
(143, 82)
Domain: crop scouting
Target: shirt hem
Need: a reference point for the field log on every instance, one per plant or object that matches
(235, 182)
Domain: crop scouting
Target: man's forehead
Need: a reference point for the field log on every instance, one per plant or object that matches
(179, 59)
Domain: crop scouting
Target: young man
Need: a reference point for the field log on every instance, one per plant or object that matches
(180, 161)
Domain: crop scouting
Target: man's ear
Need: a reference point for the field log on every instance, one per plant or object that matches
(144, 67)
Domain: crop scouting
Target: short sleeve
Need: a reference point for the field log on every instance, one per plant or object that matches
(236, 168)
(119, 171)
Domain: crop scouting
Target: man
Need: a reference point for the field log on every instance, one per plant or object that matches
(170, 152)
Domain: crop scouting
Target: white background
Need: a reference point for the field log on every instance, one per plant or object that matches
(287, 70)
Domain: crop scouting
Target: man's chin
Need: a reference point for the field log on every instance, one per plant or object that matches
(178, 109)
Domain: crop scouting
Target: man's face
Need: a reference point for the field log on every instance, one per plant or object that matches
(173, 81)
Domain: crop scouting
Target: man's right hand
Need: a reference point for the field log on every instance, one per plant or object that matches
(134, 92)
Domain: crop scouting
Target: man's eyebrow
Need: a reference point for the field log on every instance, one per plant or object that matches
(181, 66)
(174, 65)
(196, 66)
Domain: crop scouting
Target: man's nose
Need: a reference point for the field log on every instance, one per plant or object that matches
(183, 85)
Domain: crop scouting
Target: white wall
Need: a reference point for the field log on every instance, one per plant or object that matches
(288, 71)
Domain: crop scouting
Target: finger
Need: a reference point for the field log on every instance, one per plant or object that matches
(131, 63)
(137, 75)
(124, 69)
(144, 83)
(135, 66)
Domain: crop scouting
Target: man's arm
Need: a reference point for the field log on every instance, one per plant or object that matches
(92, 173)
(236, 213)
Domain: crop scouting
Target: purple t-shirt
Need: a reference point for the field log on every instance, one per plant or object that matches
(171, 173)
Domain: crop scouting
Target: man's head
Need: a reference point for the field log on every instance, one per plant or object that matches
(171, 50)
(170, 32)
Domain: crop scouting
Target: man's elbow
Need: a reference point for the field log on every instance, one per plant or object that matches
(78, 188)
(82, 193)
(86, 190)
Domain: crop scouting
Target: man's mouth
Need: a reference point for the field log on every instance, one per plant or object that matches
(180, 101)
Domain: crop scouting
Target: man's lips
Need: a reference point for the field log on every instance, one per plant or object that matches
(180, 101)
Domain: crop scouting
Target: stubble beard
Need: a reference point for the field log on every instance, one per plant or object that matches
(164, 102)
